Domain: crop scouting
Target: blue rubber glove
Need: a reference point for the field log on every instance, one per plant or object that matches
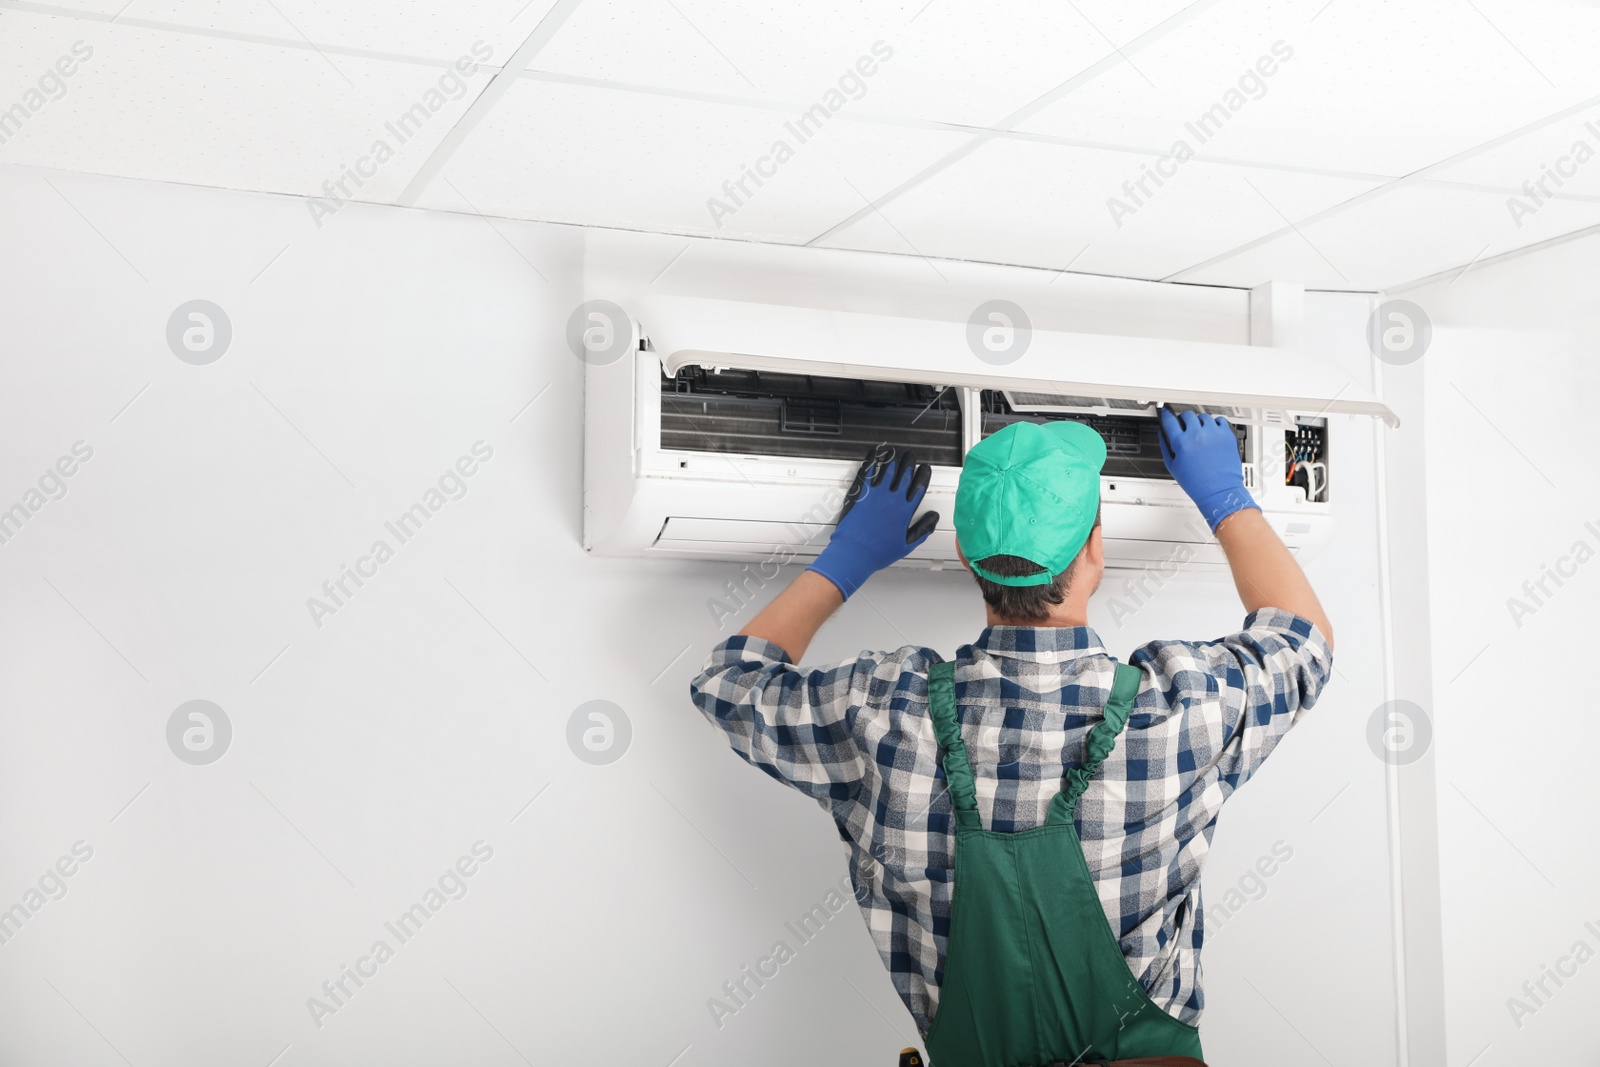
(1202, 455)
(875, 527)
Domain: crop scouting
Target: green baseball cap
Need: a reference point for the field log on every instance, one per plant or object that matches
(1030, 490)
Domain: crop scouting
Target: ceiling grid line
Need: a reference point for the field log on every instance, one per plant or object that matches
(1027, 111)
(995, 132)
(485, 101)
(1501, 257)
(1402, 182)
(936, 125)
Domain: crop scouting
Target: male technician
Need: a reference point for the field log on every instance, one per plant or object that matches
(1026, 823)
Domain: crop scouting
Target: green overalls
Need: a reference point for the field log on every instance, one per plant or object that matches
(1033, 974)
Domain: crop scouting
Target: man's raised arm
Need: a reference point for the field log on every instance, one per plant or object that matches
(874, 530)
(1202, 455)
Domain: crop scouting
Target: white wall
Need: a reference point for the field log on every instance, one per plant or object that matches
(1511, 387)
(371, 752)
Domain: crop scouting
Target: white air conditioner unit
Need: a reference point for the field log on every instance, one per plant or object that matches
(730, 430)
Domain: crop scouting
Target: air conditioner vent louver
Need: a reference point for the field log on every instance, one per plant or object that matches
(1022, 400)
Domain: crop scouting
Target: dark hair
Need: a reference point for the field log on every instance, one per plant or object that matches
(1030, 603)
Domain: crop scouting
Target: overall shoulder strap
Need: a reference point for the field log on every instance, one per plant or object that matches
(1102, 737)
(952, 749)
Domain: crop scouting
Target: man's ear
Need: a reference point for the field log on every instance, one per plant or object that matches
(1095, 548)
(962, 556)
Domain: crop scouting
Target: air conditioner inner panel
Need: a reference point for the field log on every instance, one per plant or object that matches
(776, 413)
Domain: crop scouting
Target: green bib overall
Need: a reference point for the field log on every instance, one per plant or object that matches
(1033, 975)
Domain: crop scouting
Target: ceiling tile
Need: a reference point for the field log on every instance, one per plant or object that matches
(1347, 86)
(1563, 155)
(1047, 205)
(176, 107)
(1405, 234)
(566, 153)
(442, 32)
(948, 60)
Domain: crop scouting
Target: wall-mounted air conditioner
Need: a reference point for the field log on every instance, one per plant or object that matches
(729, 430)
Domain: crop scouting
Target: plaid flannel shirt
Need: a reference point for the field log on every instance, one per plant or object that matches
(857, 737)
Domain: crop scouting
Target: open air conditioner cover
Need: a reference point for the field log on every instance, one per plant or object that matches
(696, 330)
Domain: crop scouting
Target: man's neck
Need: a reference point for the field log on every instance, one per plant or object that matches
(1062, 616)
